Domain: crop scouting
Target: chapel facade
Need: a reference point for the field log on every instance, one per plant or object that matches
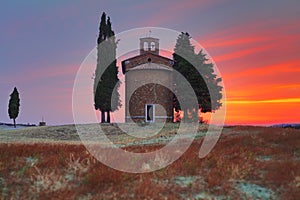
(148, 83)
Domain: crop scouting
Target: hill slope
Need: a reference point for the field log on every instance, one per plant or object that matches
(247, 162)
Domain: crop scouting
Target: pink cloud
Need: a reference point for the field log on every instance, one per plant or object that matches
(179, 9)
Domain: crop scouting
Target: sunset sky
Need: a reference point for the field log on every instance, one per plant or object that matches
(255, 44)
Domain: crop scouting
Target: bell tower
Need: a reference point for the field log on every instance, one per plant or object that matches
(149, 44)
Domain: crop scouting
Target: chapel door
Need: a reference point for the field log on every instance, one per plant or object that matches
(150, 112)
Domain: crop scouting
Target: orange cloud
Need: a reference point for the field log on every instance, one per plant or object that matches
(221, 42)
(260, 69)
(264, 113)
(287, 100)
(242, 53)
(290, 66)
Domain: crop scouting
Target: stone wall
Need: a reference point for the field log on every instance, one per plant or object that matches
(146, 87)
(145, 58)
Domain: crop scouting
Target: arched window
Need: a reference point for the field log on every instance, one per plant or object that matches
(152, 46)
(145, 46)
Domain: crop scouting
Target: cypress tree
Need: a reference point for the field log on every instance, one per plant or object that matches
(209, 101)
(104, 99)
(13, 106)
(204, 84)
(183, 53)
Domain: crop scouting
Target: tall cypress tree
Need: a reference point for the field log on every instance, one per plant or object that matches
(13, 106)
(209, 100)
(104, 99)
(183, 54)
(204, 84)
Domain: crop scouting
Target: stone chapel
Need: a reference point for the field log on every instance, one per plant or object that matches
(147, 78)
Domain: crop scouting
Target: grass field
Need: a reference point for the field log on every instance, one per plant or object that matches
(247, 163)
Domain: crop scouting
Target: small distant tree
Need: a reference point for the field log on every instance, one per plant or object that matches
(13, 106)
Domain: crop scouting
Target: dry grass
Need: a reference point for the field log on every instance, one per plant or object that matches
(268, 157)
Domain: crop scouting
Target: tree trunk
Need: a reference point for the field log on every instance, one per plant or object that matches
(14, 122)
(108, 117)
(195, 115)
(185, 115)
(102, 117)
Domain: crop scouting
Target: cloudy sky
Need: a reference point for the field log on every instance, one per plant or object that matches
(255, 45)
